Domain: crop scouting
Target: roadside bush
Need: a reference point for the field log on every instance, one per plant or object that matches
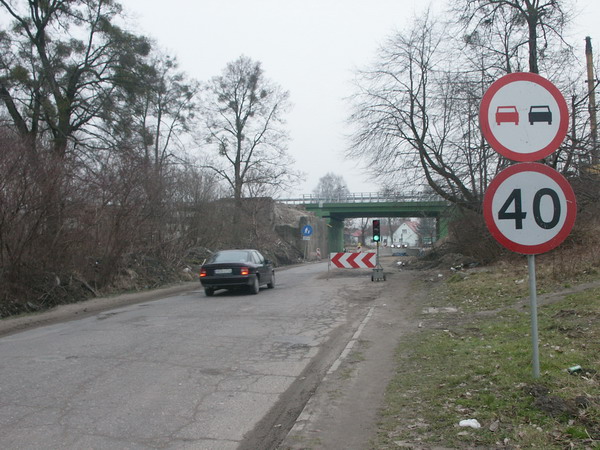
(70, 227)
(469, 236)
(579, 255)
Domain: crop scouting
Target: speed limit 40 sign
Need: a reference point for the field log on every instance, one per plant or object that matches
(529, 208)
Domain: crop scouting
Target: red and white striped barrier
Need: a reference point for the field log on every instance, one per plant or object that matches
(354, 260)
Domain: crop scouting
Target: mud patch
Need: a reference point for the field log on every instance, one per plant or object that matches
(558, 407)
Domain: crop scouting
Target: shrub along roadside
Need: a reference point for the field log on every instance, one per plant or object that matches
(476, 364)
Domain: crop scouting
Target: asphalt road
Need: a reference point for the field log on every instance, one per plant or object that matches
(184, 372)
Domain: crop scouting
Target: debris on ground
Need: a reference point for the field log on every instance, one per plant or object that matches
(473, 423)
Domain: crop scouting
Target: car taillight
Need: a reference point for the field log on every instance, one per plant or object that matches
(202, 273)
(244, 271)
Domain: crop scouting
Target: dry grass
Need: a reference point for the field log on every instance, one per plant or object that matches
(476, 362)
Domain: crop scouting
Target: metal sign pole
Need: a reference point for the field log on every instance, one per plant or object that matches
(533, 307)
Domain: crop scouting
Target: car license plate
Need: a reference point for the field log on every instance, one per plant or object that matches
(222, 271)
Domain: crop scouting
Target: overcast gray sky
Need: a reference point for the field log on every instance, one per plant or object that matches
(309, 47)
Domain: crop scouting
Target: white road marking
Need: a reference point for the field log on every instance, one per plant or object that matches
(348, 348)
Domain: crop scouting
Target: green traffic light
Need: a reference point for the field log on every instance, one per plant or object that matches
(376, 230)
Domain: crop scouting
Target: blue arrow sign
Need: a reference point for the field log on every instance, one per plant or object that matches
(307, 230)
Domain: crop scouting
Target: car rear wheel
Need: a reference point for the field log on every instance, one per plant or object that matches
(255, 286)
(209, 292)
(271, 284)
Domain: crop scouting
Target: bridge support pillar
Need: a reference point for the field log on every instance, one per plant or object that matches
(336, 234)
(442, 227)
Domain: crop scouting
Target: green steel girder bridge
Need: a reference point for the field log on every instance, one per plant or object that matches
(335, 210)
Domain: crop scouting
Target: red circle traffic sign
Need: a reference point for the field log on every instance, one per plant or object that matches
(523, 116)
(529, 208)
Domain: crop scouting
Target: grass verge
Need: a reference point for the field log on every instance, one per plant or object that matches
(475, 363)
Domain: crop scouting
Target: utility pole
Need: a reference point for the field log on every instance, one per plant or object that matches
(591, 81)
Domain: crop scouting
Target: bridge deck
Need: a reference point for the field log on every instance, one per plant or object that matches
(335, 210)
(362, 197)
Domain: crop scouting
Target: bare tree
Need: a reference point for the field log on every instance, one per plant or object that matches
(243, 116)
(61, 62)
(417, 107)
(541, 20)
(161, 108)
(331, 187)
(418, 114)
(507, 28)
(363, 226)
(427, 229)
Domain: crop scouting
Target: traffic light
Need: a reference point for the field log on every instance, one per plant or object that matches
(376, 230)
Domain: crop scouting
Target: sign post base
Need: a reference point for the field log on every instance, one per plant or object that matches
(378, 274)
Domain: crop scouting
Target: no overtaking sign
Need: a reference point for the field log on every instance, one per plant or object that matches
(523, 116)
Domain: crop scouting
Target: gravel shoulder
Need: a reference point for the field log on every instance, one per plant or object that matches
(343, 411)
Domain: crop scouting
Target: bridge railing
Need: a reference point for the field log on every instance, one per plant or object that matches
(361, 197)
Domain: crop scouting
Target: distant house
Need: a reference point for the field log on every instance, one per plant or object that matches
(407, 234)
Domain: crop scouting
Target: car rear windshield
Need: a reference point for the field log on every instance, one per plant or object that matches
(230, 256)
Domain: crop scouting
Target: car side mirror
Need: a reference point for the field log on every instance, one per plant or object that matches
(267, 262)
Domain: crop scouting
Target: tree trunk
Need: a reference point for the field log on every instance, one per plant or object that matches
(532, 22)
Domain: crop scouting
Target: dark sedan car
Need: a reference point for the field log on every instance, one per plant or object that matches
(235, 269)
